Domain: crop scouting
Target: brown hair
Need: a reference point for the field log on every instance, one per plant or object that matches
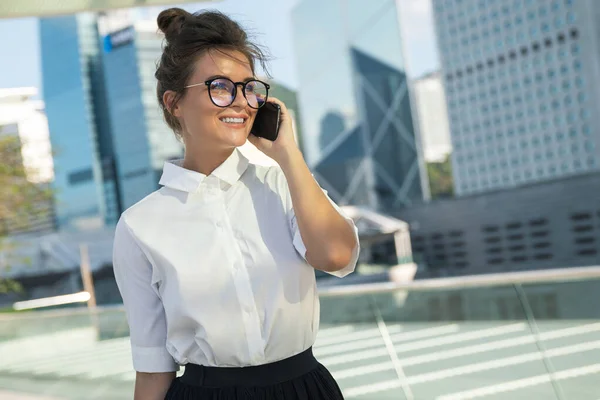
(189, 36)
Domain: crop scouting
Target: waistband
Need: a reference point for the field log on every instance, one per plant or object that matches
(259, 375)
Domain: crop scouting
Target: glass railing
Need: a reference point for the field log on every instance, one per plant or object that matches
(528, 335)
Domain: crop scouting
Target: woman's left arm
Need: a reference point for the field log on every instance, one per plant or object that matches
(328, 237)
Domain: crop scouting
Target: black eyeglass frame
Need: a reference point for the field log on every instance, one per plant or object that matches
(235, 92)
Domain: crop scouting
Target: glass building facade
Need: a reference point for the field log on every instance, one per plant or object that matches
(127, 120)
(358, 136)
(84, 185)
(106, 129)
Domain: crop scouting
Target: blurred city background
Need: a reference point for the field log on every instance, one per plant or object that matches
(462, 136)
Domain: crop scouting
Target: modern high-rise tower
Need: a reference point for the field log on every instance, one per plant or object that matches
(357, 122)
(522, 80)
(106, 129)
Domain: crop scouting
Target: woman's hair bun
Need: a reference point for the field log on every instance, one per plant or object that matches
(171, 20)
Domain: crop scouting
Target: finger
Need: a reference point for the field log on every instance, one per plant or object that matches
(281, 104)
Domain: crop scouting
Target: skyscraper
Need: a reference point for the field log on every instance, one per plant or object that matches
(147, 48)
(358, 131)
(105, 124)
(141, 140)
(85, 189)
(522, 83)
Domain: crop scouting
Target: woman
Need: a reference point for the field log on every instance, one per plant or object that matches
(216, 267)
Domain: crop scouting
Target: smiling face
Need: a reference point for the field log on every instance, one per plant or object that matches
(202, 122)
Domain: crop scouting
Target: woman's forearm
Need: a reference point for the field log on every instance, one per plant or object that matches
(328, 237)
(152, 386)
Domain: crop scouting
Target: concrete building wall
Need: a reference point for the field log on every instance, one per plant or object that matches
(546, 225)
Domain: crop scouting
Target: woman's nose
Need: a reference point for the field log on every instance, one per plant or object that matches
(240, 99)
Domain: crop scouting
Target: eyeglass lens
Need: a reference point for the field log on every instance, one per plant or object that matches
(223, 92)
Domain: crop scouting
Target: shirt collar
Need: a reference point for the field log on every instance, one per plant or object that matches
(176, 177)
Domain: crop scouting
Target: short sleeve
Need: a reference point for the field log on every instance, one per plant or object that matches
(143, 306)
(297, 238)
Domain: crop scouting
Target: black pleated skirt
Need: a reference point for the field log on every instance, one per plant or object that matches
(300, 377)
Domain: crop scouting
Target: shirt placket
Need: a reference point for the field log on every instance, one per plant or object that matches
(241, 279)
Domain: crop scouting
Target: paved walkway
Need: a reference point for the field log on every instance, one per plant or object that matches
(440, 361)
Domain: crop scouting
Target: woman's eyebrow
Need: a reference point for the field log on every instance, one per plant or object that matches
(251, 78)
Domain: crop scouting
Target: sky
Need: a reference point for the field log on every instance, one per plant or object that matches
(21, 64)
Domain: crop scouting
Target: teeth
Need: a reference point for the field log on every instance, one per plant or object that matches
(233, 120)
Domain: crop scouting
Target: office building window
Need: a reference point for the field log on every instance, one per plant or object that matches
(82, 176)
(135, 174)
(585, 129)
(589, 146)
(572, 133)
(585, 114)
(562, 54)
(568, 100)
(533, 32)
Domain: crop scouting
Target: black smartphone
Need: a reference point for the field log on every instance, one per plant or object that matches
(266, 122)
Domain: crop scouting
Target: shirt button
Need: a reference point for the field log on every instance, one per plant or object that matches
(238, 235)
(219, 224)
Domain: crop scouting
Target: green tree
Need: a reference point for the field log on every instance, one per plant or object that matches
(440, 179)
(21, 201)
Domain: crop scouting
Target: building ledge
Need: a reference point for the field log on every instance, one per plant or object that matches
(42, 8)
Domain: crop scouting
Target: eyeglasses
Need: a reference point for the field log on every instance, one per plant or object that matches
(222, 91)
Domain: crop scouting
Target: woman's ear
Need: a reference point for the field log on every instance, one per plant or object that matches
(169, 100)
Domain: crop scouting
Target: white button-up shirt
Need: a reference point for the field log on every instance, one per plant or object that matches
(212, 270)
